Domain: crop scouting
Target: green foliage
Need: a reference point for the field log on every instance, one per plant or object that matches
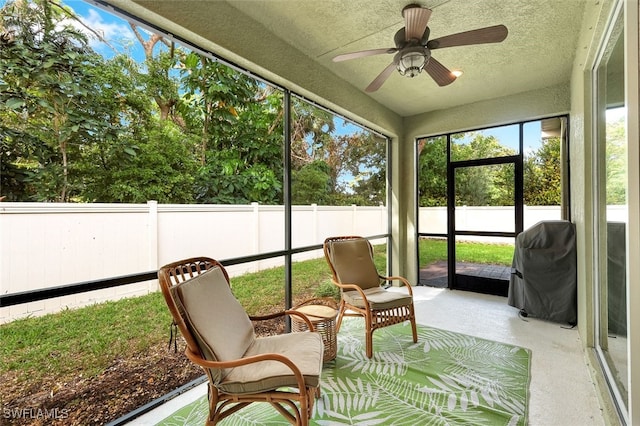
(312, 183)
(432, 170)
(356, 161)
(364, 157)
(243, 152)
(47, 95)
(616, 163)
(475, 186)
(158, 167)
(542, 179)
(483, 185)
(178, 127)
(478, 147)
(488, 185)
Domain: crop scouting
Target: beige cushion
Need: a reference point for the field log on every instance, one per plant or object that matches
(215, 317)
(353, 263)
(304, 349)
(378, 298)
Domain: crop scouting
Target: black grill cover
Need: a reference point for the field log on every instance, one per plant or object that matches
(543, 276)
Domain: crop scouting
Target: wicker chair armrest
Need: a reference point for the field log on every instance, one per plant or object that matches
(402, 280)
(197, 359)
(283, 313)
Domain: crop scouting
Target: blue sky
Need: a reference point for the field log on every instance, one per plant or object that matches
(112, 28)
(121, 38)
(509, 136)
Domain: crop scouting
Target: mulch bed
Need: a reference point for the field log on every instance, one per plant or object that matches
(127, 384)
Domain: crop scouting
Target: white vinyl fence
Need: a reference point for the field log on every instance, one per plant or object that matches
(489, 219)
(44, 245)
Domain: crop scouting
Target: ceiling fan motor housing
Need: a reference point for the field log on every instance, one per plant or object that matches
(413, 48)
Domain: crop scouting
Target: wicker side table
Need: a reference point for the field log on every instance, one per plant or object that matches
(323, 318)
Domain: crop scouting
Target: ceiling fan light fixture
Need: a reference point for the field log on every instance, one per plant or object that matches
(411, 62)
(413, 48)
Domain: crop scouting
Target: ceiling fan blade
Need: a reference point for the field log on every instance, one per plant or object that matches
(363, 53)
(381, 78)
(439, 72)
(415, 21)
(494, 34)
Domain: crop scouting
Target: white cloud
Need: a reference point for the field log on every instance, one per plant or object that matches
(109, 30)
(115, 31)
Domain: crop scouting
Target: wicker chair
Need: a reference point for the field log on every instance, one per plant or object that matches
(351, 261)
(283, 370)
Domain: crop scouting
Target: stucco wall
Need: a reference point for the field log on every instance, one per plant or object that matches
(632, 80)
(582, 161)
(582, 165)
(540, 103)
(545, 102)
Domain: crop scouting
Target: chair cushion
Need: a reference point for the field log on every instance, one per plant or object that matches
(353, 263)
(378, 298)
(216, 318)
(304, 349)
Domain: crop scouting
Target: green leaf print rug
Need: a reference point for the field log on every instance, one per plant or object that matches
(445, 379)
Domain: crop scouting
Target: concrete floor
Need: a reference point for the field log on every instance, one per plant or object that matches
(436, 273)
(561, 391)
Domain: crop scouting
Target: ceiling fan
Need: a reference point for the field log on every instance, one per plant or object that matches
(413, 48)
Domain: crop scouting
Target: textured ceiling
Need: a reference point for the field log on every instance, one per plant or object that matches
(537, 53)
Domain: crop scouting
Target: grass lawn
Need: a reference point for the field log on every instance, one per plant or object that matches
(84, 342)
(89, 338)
(85, 339)
(432, 250)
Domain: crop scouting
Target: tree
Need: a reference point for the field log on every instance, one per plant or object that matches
(488, 185)
(258, 137)
(161, 86)
(158, 167)
(311, 129)
(178, 127)
(47, 95)
(364, 158)
(432, 172)
(13, 175)
(482, 185)
(480, 146)
(235, 117)
(313, 184)
(356, 160)
(616, 163)
(542, 179)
